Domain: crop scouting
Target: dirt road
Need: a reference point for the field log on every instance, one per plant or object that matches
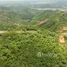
(17, 32)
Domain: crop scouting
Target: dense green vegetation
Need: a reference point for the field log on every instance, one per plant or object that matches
(56, 19)
(39, 45)
(31, 50)
(11, 18)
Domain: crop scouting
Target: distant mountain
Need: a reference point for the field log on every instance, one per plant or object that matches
(36, 3)
(50, 4)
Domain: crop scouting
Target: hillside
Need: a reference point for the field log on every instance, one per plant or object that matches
(11, 14)
(29, 38)
(32, 49)
(28, 16)
(56, 19)
(10, 18)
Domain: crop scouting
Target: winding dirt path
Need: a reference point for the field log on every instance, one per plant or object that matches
(3, 32)
(17, 32)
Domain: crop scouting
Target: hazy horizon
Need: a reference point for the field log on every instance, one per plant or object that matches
(34, 0)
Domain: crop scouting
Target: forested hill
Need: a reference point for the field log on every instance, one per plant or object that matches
(28, 38)
(51, 20)
(16, 15)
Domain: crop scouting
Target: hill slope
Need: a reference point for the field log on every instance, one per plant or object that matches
(31, 42)
(56, 19)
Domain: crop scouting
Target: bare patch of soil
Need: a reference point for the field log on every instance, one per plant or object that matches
(61, 39)
(42, 22)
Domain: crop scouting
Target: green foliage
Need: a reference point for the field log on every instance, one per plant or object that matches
(38, 46)
(21, 50)
(56, 19)
(65, 37)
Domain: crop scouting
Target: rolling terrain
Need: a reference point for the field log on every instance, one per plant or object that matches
(32, 38)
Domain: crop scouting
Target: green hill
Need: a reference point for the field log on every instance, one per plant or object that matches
(38, 45)
(56, 19)
(10, 18)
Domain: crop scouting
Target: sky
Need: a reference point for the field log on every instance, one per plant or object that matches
(28, 0)
(34, 0)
